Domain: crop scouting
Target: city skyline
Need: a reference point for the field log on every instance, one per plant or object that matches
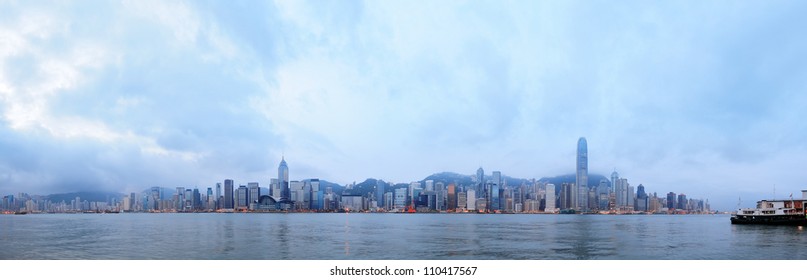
(109, 96)
(427, 195)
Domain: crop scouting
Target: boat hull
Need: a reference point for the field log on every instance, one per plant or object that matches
(797, 220)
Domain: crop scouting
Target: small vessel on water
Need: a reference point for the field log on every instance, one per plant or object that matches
(774, 212)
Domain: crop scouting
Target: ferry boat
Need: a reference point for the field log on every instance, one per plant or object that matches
(774, 212)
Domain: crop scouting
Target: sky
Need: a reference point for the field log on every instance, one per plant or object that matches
(705, 98)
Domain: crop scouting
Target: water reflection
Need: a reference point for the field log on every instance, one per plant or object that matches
(391, 236)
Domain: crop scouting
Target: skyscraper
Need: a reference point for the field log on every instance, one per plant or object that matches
(218, 196)
(682, 202)
(550, 198)
(480, 181)
(452, 197)
(470, 200)
(243, 198)
(566, 197)
(380, 189)
(254, 192)
(228, 194)
(283, 179)
(582, 175)
(641, 199)
(671, 200)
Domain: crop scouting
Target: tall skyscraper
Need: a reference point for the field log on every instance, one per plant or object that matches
(550, 198)
(682, 202)
(641, 199)
(218, 196)
(243, 197)
(228, 194)
(254, 192)
(480, 181)
(671, 200)
(566, 197)
(614, 177)
(497, 178)
(470, 200)
(582, 174)
(380, 189)
(283, 179)
(452, 197)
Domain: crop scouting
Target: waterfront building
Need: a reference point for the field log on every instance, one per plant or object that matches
(631, 198)
(581, 180)
(254, 193)
(242, 198)
(603, 190)
(228, 194)
(481, 204)
(316, 194)
(642, 203)
(218, 196)
(470, 197)
(400, 198)
(566, 196)
(452, 197)
(380, 189)
(462, 201)
(682, 202)
(283, 180)
(388, 199)
(413, 187)
(550, 198)
(671, 201)
(352, 202)
(274, 188)
(480, 180)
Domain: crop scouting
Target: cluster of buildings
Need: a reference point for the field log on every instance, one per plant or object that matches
(489, 194)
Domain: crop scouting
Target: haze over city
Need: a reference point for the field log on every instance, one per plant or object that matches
(122, 96)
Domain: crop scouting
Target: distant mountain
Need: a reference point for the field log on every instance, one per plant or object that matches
(88, 196)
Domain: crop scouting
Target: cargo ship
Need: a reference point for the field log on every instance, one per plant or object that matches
(774, 212)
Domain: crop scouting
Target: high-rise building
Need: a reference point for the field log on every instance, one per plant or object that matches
(413, 187)
(471, 200)
(462, 200)
(274, 188)
(218, 196)
(228, 194)
(254, 192)
(283, 180)
(602, 195)
(242, 195)
(400, 198)
(550, 198)
(581, 180)
(566, 197)
(452, 197)
(480, 181)
(671, 201)
(156, 195)
(316, 194)
(682, 202)
(641, 199)
(380, 189)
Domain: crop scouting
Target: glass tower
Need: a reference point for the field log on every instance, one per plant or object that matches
(283, 179)
(582, 175)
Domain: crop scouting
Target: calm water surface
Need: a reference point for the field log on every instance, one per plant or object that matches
(392, 236)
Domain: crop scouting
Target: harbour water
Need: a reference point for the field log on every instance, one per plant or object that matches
(392, 236)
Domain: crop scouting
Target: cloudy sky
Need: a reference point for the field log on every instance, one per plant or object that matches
(706, 98)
